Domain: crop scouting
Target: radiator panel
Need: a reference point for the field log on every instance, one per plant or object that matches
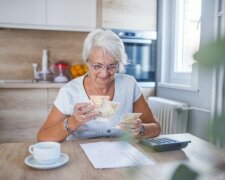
(171, 116)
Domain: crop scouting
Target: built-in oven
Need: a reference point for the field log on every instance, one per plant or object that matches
(140, 47)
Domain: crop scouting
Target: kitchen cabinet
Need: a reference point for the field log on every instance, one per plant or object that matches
(72, 15)
(22, 12)
(52, 93)
(130, 14)
(148, 91)
(23, 111)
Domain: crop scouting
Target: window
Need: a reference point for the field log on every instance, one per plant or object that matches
(180, 39)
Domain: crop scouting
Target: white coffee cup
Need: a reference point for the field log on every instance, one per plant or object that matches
(45, 152)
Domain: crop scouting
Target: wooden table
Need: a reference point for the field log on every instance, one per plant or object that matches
(197, 154)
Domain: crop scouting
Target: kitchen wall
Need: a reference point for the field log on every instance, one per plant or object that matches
(130, 14)
(19, 48)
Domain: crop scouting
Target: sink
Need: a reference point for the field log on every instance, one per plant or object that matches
(16, 81)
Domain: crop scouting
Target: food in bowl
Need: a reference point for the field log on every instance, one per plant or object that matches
(78, 70)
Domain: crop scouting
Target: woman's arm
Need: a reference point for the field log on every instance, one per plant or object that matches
(53, 129)
(149, 121)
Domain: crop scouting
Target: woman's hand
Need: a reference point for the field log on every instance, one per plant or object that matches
(84, 112)
(132, 126)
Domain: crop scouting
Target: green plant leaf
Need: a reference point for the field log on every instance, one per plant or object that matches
(212, 54)
(183, 172)
(218, 128)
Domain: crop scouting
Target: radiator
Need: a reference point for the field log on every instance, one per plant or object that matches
(170, 114)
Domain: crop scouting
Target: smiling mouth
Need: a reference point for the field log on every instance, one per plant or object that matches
(104, 78)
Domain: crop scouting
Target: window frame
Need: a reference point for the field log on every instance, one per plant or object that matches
(168, 11)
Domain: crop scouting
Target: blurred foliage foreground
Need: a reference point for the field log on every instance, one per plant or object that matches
(211, 56)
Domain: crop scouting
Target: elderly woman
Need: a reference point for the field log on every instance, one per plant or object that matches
(74, 115)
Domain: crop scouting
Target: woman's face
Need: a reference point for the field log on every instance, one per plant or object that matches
(102, 66)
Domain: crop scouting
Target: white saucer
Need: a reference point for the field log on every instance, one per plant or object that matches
(30, 161)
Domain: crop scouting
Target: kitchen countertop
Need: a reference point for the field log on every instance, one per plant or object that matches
(147, 84)
(30, 84)
(27, 84)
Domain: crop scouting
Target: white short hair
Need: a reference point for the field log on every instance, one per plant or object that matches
(109, 42)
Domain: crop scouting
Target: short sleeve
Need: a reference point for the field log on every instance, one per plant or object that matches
(137, 91)
(70, 94)
(62, 102)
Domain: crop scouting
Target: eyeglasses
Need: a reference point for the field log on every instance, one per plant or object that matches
(111, 68)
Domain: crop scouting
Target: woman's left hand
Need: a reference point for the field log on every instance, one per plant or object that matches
(132, 126)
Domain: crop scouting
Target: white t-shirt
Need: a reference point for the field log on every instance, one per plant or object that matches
(126, 93)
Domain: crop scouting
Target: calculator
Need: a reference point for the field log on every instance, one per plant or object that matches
(164, 144)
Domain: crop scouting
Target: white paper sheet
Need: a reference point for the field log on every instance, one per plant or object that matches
(115, 154)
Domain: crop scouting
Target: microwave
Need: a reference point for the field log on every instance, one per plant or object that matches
(140, 47)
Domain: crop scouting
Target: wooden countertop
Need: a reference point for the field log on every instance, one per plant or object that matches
(18, 85)
(29, 84)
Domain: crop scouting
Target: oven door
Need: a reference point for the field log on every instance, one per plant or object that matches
(142, 58)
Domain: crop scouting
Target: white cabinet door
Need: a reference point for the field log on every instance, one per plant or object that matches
(71, 13)
(75, 15)
(29, 12)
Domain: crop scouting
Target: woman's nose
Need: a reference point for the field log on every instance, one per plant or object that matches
(104, 72)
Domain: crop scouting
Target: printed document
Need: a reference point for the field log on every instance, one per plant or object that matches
(114, 154)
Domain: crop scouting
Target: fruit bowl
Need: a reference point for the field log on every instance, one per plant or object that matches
(78, 70)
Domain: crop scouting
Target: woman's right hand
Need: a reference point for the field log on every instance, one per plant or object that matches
(84, 112)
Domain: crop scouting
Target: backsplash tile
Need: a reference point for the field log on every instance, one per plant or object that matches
(20, 48)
